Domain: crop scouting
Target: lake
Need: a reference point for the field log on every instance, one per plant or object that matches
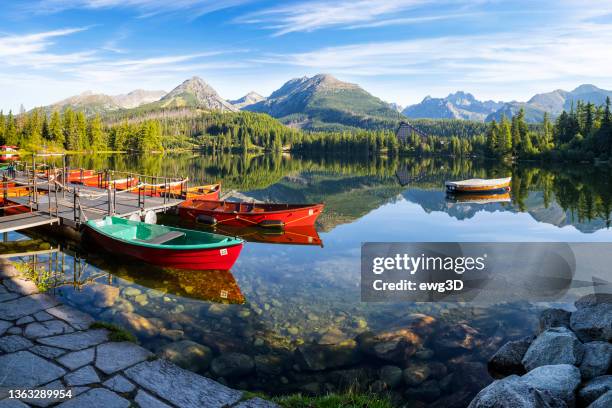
(292, 302)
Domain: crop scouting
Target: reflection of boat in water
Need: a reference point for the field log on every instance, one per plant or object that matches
(306, 235)
(478, 198)
(212, 285)
(479, 186)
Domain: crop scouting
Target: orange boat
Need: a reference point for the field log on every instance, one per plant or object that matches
(207, 192)
(72, 175)
(99, 181)
(250, 214)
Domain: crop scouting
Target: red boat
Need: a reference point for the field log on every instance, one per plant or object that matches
(165, 246)
(250, 214)
(207, 192)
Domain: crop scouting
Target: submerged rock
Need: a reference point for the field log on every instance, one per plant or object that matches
(188, 354)
(318, 357)
(509, 358)
(415, 374)
(391, 376)
(456, 339)
(232, 365)
(428, 391)
(554, 346)
(395, 346)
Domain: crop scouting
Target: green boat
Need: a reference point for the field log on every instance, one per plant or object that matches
(163, 245)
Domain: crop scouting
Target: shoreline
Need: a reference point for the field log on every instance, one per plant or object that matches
(45, 345)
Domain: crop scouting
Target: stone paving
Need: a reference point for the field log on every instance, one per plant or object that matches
(49, 346)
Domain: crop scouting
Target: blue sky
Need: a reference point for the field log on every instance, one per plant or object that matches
(398, 50)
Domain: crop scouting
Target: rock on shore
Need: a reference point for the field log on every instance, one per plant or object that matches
(566, 365)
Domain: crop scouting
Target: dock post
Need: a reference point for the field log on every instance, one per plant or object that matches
(64, 171)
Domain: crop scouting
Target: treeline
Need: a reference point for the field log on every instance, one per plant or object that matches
(583, 133)
(73, 131)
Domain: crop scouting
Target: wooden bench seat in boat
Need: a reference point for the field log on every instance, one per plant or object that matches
(162, 239)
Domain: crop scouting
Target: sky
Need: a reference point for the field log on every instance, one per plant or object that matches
(398, 50)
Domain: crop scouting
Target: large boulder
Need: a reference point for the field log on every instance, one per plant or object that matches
(594, 389)
(605, 401)
(232, 365)
(188, 354)
(550, 318)
(514, 392)
(554, 346)
(593, 318)
(560, 380)
(509, 358)
(596, 360)
(318, 357)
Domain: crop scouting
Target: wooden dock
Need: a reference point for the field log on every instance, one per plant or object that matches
(32, 219)
(71, 204)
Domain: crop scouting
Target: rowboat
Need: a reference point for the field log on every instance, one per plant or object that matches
(72, 175)
(163, 245)
(207, 192)
(479, 186)
(241, 214)
(100, 182)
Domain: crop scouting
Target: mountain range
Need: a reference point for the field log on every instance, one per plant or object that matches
(323, 102)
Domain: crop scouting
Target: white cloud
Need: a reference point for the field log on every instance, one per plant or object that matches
(145, 8)
(310, 16)
(510, 62)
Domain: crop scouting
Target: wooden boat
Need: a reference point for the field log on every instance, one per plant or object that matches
(72, 175)
(177, 189)
(305, 235)
(479, 186)
(242, 214)
(163, 245)
(98, 181)
(9, 153)
(207, 192)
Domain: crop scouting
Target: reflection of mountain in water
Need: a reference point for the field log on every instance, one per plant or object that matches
(346, 198)
(534, 204)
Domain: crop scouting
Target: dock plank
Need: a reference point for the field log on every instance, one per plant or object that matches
(33, 219)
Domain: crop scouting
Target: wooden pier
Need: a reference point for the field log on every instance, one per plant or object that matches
(54, 200)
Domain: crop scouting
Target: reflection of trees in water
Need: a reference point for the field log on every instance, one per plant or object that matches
(583, 190)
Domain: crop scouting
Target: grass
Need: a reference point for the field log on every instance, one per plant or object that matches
(348, 400)
(117, 333)
(41, 276)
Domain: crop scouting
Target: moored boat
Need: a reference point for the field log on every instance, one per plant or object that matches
(206, 192)
(241, 214)
(479, 186)
(163, 245)
(478, 198)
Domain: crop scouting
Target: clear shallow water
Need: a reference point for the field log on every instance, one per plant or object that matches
(296, 310)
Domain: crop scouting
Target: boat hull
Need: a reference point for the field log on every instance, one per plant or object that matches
(478, 191)
(196, 259)
(293, 217)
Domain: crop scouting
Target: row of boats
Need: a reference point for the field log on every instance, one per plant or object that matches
(176, 247)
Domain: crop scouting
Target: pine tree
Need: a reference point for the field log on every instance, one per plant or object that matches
(71, 136)
(505, 137)
(2, 128)
(56, 133)
(493, 139)
(81, 131)
(11, 130)
(96, 134)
